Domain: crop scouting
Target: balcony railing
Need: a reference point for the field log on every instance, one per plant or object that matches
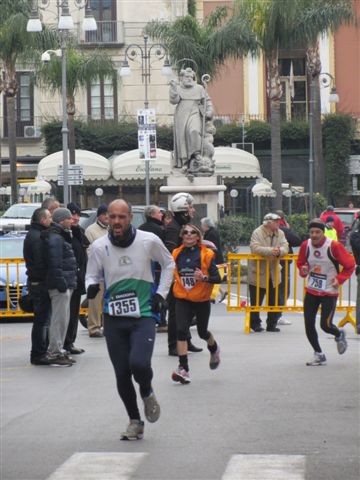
(107, 33)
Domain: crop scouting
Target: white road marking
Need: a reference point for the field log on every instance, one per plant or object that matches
(98, 466)
(265, 467)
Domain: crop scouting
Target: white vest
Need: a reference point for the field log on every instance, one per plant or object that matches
(323, 268)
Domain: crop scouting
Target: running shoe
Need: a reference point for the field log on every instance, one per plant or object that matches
(341, 342)
(151, 408)
(318, 359)
(215, 359)
(181, 375)
(134, 431)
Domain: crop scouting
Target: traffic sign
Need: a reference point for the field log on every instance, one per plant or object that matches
(75, 175)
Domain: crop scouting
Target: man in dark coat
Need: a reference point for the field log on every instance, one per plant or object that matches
(294, 241)
(36, 273)
(212, 235)
(79, 244)
(154, 224)
(61, 280)
(355, 245)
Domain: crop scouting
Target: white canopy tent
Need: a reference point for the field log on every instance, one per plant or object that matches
(95, 166)
(38, 187)
(234, 162)
(128, 166)
(229, 162)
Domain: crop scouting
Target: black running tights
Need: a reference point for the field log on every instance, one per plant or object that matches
(311, 306)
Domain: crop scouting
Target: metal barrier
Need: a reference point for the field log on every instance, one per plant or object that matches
(12, 286)
(237, 273)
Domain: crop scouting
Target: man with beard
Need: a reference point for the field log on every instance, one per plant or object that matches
(122, 261)
(182, 207)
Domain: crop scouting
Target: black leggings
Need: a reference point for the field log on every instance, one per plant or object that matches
(130, 344)
(184, 313)
(311, 306)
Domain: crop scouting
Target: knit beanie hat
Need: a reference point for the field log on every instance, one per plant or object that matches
(317, 223)
(102, 209)
(61, 214)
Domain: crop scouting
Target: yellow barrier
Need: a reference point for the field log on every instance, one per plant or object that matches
(241, 303)
(10, 272)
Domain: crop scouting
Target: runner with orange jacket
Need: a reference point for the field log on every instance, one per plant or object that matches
(195, 275)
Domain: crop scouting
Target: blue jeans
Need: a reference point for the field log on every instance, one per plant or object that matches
(42, 311)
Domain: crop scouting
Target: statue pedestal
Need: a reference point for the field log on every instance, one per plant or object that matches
(205, 191)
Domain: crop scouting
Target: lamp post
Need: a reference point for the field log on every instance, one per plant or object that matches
(145, 52)
(65, 24)
(326, 79)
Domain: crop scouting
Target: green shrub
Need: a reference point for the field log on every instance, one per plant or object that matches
(235, 231)
(338, 132)
(299, 223)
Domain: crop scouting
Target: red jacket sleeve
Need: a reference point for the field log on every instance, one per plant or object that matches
(302, 260)
(345, 259)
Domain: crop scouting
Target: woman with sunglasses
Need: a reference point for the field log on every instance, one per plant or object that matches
(195, 275)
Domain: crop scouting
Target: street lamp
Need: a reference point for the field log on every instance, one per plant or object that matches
(326, 79)
(145, 52)
(65, 24)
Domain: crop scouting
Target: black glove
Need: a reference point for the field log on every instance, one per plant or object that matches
(357, 270)
(158, 303)
(92, 291)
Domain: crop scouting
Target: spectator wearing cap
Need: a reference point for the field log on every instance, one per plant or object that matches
(330, 231)
(61, 280)
(338, 224)
(93, 232)
(79, 244)
(268, 241)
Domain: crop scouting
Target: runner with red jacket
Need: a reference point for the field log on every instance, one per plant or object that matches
(319, 261)
(195, 276)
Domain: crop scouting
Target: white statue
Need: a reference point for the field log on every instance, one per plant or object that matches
(193, 126)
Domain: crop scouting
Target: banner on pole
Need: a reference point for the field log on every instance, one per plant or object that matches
(147, 134)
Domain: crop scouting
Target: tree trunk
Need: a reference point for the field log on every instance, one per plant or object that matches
(314, 70)
(274, 92)
(11, 113)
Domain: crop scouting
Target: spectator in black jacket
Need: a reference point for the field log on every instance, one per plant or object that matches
(61, 280)
(355, 246)
(79, 244)
(182, 207)
(154, 224)
(36, 273)
(294, 241)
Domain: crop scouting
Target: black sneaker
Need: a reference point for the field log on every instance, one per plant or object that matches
(42, 360)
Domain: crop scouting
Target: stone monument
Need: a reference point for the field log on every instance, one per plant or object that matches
(193, 165)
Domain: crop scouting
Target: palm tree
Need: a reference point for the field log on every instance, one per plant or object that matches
(318, 17)
(16, 46)
(273, 22)
(81, 69)
(208, 43)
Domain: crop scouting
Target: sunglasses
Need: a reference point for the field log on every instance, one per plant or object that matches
(190, 232)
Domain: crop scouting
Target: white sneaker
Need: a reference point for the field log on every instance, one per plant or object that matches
(134, 431)
(318, 359)
(283, 321)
